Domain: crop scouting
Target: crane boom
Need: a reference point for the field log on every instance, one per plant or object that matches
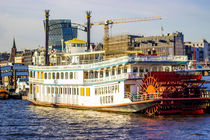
(108, 22)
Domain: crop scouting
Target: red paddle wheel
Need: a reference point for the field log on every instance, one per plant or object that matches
(177, 92)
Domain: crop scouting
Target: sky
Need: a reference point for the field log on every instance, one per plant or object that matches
(23, 19)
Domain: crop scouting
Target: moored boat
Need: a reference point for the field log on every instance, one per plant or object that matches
(4, 94)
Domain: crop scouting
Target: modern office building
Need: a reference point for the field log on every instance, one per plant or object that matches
(61, 30)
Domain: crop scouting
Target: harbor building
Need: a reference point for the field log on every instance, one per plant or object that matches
(201, 50)
(61, 30)
(169, 44)
(4, 57)
(38, 57)
(24, 57)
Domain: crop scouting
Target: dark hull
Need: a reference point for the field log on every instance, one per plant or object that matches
(184, 106)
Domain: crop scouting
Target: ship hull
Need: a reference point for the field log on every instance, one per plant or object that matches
(4, 96)
(125, 107)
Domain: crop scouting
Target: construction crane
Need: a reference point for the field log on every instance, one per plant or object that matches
(108, 22)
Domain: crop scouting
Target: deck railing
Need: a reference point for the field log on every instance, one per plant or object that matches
(117, 61)
(106, 79)
(141, 97)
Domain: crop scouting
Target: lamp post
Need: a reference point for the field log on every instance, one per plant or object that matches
(46, 37)
(88, 16)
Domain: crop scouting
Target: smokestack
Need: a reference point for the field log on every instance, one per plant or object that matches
(88, 16)
(46, 37)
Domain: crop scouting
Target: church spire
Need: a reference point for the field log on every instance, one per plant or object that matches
(14, 45)
(13, 52)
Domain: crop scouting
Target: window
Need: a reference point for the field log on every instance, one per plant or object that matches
(104, 99)
(31, 74)
(125, 70)
(34, 74)
(45, 75)
(107, 73)
(49, 75)
(141, 69)
(57, 75)
(74, 91)
(77, 91)
(65, 91)
(112, 89)
(135, 69)
(62, 75)
(118, 71)
(96, 74)
(116, 89)
(53, 75)
(96, 91)
(111, 99)
(101, 74)
(66, 75)
(56, 90)
(71, 75)
(106, 90)
(69, 91)
(167, 69)
(113, 71)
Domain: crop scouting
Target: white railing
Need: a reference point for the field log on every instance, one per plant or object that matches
(113, 61)
(133, 75)
(36, 80)
(82, 66)
(106, 79)
(158, 58)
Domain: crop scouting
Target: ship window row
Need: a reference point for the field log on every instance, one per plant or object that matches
(54, 75)
(61, 90)
(107, 90)
(106, 99)
(154, 68)
(104, 72)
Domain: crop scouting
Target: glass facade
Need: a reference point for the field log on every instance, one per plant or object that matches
(61, 29)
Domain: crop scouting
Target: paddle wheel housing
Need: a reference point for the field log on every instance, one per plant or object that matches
(179, 92)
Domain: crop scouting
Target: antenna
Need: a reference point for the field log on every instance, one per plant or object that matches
(162, 30)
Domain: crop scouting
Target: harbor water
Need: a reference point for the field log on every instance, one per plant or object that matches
(21, 120)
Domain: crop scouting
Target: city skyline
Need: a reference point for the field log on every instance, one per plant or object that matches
(23, 19)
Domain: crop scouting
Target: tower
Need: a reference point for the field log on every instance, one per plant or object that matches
(13, 52)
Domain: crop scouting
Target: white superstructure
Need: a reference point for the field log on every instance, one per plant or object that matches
(108, 82)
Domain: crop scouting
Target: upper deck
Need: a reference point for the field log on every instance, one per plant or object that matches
(91, 65)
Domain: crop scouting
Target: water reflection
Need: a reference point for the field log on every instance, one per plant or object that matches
(20, 120)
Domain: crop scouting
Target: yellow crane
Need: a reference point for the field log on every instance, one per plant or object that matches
(108, 22)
